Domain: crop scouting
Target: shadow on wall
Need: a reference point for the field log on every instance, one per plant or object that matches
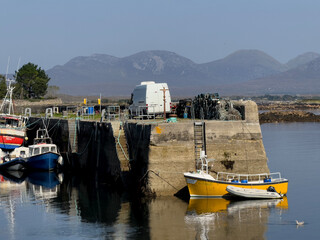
(96, 157)
(138, 140)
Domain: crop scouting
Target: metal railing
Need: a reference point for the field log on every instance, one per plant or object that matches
(260, 177)
(143, 112)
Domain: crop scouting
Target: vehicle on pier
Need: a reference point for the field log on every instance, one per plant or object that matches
(148, 99)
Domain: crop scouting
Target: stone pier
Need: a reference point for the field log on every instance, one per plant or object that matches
(235, 146)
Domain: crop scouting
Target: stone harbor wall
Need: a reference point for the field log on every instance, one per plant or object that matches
(235, 146)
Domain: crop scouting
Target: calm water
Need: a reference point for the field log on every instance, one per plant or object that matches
(48, 206)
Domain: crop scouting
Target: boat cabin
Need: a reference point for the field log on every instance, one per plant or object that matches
(9, 121)
(42, 148)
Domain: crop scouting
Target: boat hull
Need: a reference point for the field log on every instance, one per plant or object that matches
(17, 164)
(252, 193)
(11, 138)
(201, 186)
(46, 161)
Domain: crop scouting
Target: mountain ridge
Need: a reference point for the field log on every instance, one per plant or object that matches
(103, 73)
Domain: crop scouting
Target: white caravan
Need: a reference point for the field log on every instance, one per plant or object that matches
(147, 99)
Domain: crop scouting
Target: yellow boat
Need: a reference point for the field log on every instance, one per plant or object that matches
(202, 184)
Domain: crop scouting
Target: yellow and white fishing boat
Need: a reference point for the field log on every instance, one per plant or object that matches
(202, 184)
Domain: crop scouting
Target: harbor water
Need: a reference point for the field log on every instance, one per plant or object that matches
(50, 206)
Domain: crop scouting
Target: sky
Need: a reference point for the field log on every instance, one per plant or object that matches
(51, 32)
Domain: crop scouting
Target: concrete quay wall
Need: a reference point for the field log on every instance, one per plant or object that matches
(236, 147)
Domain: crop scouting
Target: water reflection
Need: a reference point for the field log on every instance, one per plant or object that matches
(84, 209)
(12, 176)
(69, 200)
(224, 219)
(45, 179)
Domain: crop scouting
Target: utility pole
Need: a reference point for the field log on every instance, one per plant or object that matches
(164, 102)
(100, 103)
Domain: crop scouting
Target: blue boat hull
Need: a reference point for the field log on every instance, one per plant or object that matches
(46, 161)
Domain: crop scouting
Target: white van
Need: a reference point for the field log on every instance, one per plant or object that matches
(147, 99)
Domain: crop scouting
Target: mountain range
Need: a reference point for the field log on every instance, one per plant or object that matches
(245, 72)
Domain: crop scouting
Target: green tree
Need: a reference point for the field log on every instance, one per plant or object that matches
(3, 87)
(31, 82)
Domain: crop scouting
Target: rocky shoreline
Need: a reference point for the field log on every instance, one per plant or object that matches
(288, 116)
(290, 105)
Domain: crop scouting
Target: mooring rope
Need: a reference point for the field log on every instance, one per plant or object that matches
(28, 125)
(87, 144)
(57, 123)
(157, 174)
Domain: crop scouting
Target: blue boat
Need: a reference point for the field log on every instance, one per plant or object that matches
(43, 154)
(45, 160)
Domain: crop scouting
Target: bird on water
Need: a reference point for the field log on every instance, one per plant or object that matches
(299, 223)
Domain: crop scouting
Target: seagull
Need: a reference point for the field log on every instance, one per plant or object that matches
(299, 223)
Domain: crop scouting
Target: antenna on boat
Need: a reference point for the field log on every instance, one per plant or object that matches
(7, 67)
(18, 64)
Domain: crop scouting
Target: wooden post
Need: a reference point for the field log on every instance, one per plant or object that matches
(164, 102)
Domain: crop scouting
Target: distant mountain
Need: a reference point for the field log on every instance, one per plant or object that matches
(304, 79)
(242, 66)
(302, 59)
(112, 76)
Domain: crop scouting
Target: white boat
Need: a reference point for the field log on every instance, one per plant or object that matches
(254, 193)
(15, 160)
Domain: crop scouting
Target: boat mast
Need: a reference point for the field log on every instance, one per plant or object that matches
(7, 100)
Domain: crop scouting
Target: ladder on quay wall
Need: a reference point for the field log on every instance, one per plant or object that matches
(199, 140)
(73, 138)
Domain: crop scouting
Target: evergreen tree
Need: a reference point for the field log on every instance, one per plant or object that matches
(3, 86)
(31, 82)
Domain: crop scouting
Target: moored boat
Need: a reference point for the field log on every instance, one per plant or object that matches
(254, 193)
(12, 127)
(14, 160)
(12, 132)
(17, 164)
(43, 154)
(202, 184)
(43, 157)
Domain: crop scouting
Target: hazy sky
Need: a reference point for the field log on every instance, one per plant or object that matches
(51, 32)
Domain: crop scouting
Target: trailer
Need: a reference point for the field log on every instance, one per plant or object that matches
(148, 99)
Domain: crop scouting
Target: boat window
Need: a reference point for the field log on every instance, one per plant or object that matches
(36, 151)
(2, 121)
(45, 149)
(12, 122)
(53, 149)
(30, 151)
